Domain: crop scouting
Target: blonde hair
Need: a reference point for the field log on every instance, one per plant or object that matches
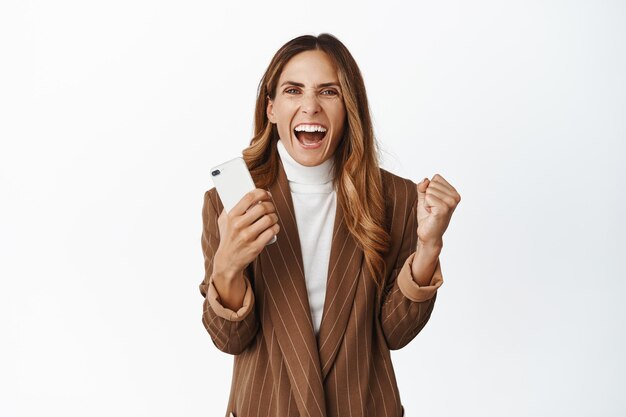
(357, 173)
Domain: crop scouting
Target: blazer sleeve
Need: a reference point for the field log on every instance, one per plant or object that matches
(406, 307)
(231, 331)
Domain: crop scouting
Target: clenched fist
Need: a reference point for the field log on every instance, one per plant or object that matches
(436, 201)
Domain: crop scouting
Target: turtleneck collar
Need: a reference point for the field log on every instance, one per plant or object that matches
(300, 174)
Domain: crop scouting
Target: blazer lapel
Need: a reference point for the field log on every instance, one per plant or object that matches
(343, 272)
(288, 305)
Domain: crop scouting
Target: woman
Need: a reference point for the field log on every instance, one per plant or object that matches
(355, 268)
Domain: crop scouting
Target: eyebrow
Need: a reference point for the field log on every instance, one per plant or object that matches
(329, 84)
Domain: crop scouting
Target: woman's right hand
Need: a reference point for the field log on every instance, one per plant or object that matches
(244, 232)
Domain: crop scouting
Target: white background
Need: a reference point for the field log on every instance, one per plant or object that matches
(111, 114)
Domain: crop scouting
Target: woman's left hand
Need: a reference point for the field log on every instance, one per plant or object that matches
(436, 201)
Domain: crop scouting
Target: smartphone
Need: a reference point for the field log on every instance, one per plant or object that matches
(232, 181)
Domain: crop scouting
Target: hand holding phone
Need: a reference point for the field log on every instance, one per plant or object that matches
(233, 183)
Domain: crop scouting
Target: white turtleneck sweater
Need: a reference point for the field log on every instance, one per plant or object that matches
(314, 201)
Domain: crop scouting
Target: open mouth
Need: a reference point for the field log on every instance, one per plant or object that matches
(310, 135)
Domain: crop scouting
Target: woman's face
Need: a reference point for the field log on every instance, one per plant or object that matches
(308, 108)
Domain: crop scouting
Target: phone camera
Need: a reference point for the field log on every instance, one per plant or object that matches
(216, 172)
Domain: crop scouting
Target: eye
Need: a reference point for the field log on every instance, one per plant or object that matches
(329, 92)
(292, 90)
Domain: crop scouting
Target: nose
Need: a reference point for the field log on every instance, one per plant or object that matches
(310, 104)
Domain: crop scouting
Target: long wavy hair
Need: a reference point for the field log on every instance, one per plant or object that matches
(357, 175)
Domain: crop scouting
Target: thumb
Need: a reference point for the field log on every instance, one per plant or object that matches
(421, 190)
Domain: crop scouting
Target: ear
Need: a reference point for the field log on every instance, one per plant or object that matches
(270, 110)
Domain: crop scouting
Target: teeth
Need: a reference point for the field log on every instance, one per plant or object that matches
(310, 128)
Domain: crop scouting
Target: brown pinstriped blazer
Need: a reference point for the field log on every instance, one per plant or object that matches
(281, 368)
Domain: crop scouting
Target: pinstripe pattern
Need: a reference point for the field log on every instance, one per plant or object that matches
(281, 368)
